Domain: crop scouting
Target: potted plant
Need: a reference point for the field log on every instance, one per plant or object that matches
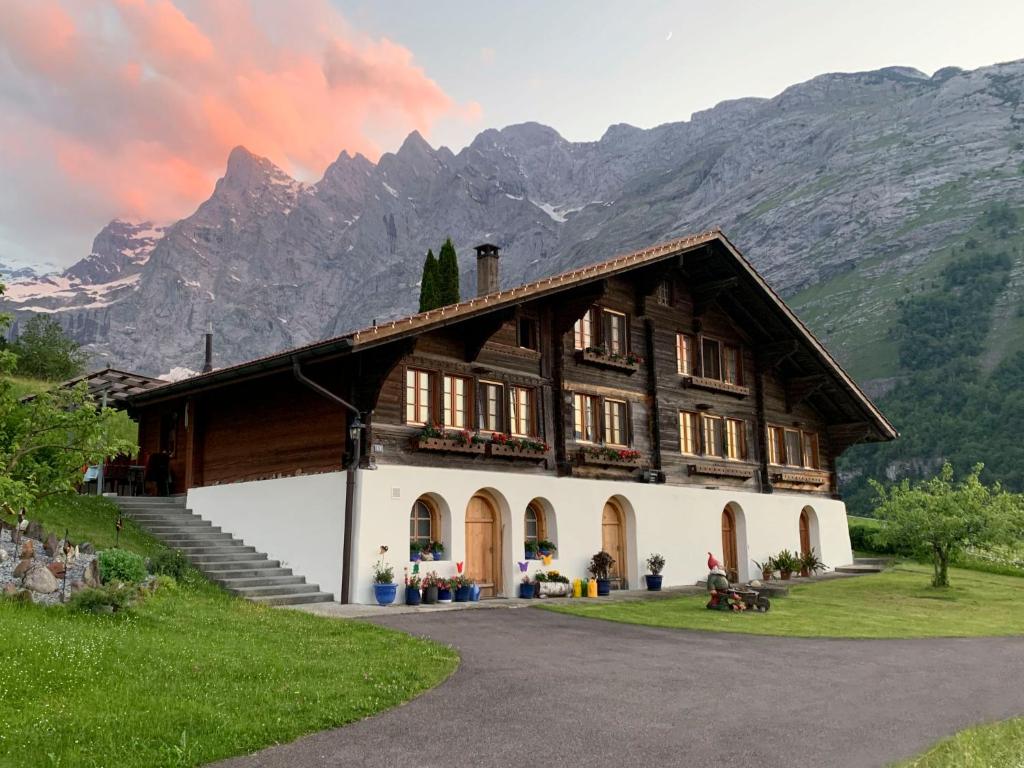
(810, 563)
(444, 590)
(415, 551)
(384, 587)
(546, 548)
(601, 568)
(526, 587)
(437, 549)
(552, 584)
(767, 568)
(461, 586)
(412, 589)
(531, 550)
(430, 588)
(787, 562)
(655, 564)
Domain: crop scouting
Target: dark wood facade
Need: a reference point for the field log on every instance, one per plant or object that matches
(768, 409)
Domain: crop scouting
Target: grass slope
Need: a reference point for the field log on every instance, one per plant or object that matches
(191, 675)
(897, 603)
(93, 519)
(986, 746)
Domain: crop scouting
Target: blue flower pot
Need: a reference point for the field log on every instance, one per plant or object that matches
(474, 593)
(526, 591)
(531, 555)
(544, 552)
(385, 593)
(653, 582)
(444, 595)
(604, 586)
(415, 557)
(412, 595)
(462, 594)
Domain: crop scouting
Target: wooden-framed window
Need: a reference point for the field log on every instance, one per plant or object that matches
(776, 445)
(711, 358)
(732, 365)
(584, 413)
(522, 408)
(794, 449)
(583, 331)
(419, 386)
(735, 439)
(526, 332)
(492, 406)
(615, 426)
(423, 523)
(686, 354)
(812, 457)
(536, 523)
(689, 433)
(615, 340)
(455, 402)
(714, 435)
(663, 293)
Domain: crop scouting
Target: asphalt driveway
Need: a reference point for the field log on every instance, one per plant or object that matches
(546, 689)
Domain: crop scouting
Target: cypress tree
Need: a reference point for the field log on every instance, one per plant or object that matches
(448, 274)
(429, 293)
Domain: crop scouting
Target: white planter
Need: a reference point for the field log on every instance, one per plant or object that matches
(554, 588)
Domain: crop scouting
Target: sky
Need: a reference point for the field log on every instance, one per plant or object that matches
(129, 108)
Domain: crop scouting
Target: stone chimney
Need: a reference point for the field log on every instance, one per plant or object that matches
(486, 269)
(208, 357)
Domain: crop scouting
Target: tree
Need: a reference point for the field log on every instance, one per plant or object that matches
(44, 352)
(429, 289)
(939, 519)
(448, 274)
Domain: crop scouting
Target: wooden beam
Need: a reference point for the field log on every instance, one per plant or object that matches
(654, 416)
(370, 369)
(571, 306)
(772, 354)
(478, 331)
(706, 294)
(799, 388)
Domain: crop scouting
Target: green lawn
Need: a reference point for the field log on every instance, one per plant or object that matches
(896, 603)
(91, 518)
(986, 746)
(191, 675)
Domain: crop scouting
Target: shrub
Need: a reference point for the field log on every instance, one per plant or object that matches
(864, 538)
(601, 565)
(109, 599)
(121, 565)
(655, 563)
(169, 562)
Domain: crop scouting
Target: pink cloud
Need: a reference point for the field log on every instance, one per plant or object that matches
(130, 107)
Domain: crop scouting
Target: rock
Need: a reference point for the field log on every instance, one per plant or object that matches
(3, 555)
(34, 530)
(91, 577)
(22, 568)
(9, 588)
(50, 545)
(756, 584)
(28, 550)
(57, 568)
(86, 548)
(39, 579)
(76, 586)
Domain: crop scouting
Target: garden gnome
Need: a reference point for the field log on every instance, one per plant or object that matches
(718, 585)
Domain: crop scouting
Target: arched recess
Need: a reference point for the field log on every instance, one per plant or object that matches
(810, 536)
(734, 542)
(618, 522)
(430, 519)
(488, 554)
(539, 521)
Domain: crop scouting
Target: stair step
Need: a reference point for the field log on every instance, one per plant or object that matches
(226, 556)
(858, 568)
(300, 588)
(300, 599)
(231, 572)
(253, 563)
(217, 548)
(179, 539)
(259, 581)
(184, 530)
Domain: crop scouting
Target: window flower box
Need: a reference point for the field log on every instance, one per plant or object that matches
(714, 469)
(627, 363)
(800, 477)
(507, 446)
(715, 385)
(433, 438)
(610, 457)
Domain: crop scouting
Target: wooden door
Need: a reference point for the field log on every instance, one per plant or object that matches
(613, 541)
(731, 563)
(805, 533)
(483, 552)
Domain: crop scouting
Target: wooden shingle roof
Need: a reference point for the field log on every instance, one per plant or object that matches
(118, 386)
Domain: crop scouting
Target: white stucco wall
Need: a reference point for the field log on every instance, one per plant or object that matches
(682, 523)
(297, 520)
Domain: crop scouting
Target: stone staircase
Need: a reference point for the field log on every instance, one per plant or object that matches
(222, 558)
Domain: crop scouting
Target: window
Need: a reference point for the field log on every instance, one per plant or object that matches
(527, 329)
(585, 418)
(689, 433)
(732, 365)
(685, 360)
(615, 333)
(711, 355)
(418, 385)
(714, 439)
(776, 445)
(583, 331)
(492, 416)
(663, 293)
(812, 458)
(615, 422)
(522, 410)
(735, 439)
(794, 454)
(456, 402)
(423, 523)
(536, 523)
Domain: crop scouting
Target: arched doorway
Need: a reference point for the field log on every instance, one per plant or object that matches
(483, 545)
(729, 548)
(805, 532)
(613, 541)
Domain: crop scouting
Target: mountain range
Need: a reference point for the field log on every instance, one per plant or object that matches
(845, 191)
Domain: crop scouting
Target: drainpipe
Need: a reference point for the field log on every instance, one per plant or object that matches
(355, 431)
